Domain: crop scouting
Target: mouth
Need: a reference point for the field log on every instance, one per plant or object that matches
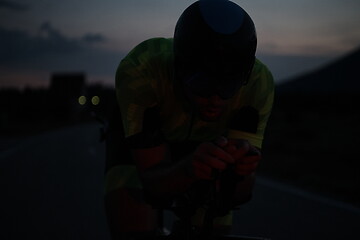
(211, 113)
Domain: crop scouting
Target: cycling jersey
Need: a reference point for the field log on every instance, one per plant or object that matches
(145, 80)
(151, 100)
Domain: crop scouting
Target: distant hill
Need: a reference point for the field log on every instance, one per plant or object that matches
(311, 138)
(340, 76)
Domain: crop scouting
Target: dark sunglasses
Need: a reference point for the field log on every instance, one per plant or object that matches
(204, 85)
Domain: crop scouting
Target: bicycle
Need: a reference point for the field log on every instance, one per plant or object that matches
(184, 207)
(185, 231)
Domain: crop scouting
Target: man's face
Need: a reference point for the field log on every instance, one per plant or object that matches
(209, 109)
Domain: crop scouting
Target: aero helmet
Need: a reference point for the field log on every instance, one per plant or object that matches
(214, 48)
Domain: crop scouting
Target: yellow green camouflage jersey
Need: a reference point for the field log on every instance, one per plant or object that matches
(145, 79)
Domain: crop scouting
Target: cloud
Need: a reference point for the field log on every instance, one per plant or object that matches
(19, 47)
(52, 51)
(13, 6)
(93, 38)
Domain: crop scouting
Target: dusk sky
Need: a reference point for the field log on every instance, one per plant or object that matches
(39, 37)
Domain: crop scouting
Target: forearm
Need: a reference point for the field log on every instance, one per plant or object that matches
(167, 179)
(162, 177)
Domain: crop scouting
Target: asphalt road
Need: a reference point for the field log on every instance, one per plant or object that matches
(51, 188)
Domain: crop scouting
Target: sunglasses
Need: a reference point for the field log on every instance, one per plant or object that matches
(205, 85)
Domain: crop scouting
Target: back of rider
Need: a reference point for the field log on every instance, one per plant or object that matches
(150, 101)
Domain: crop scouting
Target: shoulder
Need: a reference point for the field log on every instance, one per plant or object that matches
(261, 80)
(150, 48)
(261, 72)
(259, 90)
(149, 54)
(148, 61)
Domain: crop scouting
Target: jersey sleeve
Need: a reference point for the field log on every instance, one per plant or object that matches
(134, 89)
(251, 118)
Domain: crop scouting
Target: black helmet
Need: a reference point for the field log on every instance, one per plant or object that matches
(214, 47)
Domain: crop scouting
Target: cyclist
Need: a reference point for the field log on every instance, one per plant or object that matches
(193, 109)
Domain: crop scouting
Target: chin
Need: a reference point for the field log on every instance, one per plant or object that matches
(209, 117)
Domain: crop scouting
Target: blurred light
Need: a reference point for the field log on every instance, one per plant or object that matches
(95, 100)
(82, 100)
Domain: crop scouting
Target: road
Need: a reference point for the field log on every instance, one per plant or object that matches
(51, 188)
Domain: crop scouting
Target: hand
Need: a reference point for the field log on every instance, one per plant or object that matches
(209, 156)
(246, 156)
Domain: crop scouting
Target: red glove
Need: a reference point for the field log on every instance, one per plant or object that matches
(246, 156)
(209, 156)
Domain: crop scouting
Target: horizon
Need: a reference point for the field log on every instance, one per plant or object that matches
(311, 65)
(38, 39)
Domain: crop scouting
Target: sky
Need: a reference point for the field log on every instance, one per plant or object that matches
(40, 37)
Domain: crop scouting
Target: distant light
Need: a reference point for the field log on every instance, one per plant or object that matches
(82, 100)
(95, 100)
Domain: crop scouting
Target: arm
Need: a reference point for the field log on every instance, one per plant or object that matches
(157, 173)
(161, 178)
(246, 159)
(247, 128)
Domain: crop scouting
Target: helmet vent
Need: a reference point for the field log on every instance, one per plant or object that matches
(223, 16)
